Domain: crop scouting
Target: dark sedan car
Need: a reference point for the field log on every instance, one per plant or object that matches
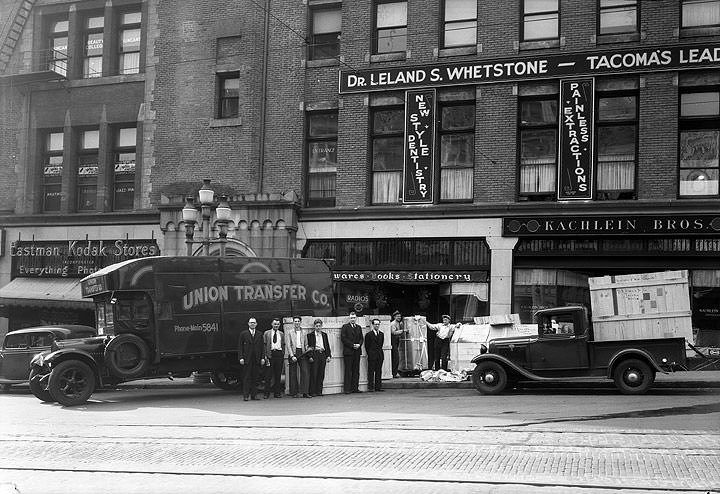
(21, 345)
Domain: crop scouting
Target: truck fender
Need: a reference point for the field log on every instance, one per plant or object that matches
(633, 353)
(62, 354)
(510, 366)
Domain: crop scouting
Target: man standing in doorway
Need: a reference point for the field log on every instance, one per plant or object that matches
(298, 364)
(442, 341)
(275, 350)
(318, 345)
(374, 340)
(397, 330)
(251, 355)
(352, 340)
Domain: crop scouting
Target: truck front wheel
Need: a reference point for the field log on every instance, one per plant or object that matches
(633, 377)
(71, 383)
(489, 378)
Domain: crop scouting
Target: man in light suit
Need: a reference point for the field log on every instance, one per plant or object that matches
(374, 340)
(251, 355)
(352, 340)
(274, 340)
(318, 346)
(298, 363)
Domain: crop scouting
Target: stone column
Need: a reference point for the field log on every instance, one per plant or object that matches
(501, 263)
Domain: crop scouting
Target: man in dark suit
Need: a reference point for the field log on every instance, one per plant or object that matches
(251, 355)
(352, 340)
(374, 340)
(274, 340)
(318, 346)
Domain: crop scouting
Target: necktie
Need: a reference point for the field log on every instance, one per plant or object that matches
(252, 332)
(274, 336)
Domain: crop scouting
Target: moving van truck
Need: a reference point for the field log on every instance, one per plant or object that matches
(171, 316)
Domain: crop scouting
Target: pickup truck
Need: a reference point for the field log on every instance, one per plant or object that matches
(564, 348)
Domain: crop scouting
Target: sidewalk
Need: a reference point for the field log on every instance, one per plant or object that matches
(687, 379)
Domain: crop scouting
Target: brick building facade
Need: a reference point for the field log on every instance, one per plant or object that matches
(255, 95)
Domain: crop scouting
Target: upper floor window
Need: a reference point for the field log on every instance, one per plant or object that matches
(700, 13)
(87, 170)
(52, 163)
(228, 95)
(616, 144)
(460, 23)
(387, 136)
(326, 23)
(58, 46)
(541, 19)
(457, 151)
(125, 153)
(699, 135)
(538, 127)
(618, 16)
(129, 61)
(322, 132)
(93, 56)
(390, 27)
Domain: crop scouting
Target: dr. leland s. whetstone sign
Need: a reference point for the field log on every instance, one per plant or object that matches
(419, 168)
(575, 149)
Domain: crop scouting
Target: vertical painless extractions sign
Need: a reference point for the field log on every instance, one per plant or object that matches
(419, 166)
(575, 147)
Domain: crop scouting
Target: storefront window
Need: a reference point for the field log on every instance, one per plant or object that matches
(536, 289)
(705, 304)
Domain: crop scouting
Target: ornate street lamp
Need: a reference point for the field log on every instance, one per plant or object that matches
(206, 197)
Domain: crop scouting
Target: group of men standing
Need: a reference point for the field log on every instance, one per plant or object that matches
(352, 339)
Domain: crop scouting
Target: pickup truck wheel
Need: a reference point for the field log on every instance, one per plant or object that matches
(37, 389)
(226, 380)
(633, 377)
(71, 383)
(127, 356)
(489, 378)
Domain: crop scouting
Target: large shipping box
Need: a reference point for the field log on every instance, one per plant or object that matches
(641, 306)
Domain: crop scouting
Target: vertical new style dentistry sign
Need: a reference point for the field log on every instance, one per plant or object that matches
(419, 165)
(575, 147)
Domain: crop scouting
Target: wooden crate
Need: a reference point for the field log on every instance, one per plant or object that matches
(466, 341)
(641, 306)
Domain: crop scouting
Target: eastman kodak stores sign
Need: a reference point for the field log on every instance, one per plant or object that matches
(651, 59)
(667, 225)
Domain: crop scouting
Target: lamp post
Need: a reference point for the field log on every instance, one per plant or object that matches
(206, 197)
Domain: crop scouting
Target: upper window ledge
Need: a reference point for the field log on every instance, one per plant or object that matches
(225, 122)
(326, 62)
(540, 45)
(457, 52)
(388, 57)
(101, 81)
(606, 39)
(695, 32)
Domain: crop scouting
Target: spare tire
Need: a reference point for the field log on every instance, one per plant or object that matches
(127, 356)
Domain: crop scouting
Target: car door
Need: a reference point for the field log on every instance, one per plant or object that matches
(19, 351)
(558, 347)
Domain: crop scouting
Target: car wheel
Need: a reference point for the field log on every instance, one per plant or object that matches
(127, 356)
(226, 380)
(36, 387)
(489, 378)
(71, 383)
(633, 377)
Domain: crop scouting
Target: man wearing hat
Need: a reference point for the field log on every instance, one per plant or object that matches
(397, 328)
(442, 341)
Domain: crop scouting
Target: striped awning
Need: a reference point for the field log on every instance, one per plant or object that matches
(44, 292)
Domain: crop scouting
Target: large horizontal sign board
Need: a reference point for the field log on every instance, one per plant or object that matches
(527, 68)
(701, 224)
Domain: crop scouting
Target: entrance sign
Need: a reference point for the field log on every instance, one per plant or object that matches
(575, 149)
(419, 165)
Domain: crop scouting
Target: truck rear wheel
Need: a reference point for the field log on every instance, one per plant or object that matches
(36, 388)
(71, 383)
(226, 380)
(127, 356)
(633, 377)
(489, 378)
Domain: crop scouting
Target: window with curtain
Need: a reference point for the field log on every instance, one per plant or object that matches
(540, 19)
(129, 61)
(700, 13)
(322, 131)
(388, 130)
(58, 46)
(538, 149)
(457, 151)
(87, 170)
(390, 27)
(228, 95)
(618, 16)
(699, 135)
(460, 27)
(536, 289)
(125, 154)
(52, 163)
(616, 144)
(92, 61)
(326, 28)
